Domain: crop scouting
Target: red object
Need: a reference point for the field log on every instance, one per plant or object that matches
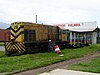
(4, 35)
(57, 49)
(72, 25)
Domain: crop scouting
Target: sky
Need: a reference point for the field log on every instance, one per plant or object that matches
(50, 11)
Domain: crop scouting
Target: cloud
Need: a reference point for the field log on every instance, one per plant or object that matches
(50, 11)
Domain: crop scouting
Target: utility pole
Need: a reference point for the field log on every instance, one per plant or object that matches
(36, 18)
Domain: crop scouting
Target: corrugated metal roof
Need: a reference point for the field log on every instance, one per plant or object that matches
(79, 26)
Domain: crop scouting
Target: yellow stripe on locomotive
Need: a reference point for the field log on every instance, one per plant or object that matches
(16, 44)
(17, 32)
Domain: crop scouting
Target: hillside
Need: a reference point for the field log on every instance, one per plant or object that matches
(3, 25)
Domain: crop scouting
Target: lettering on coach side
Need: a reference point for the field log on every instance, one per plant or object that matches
(72, 25)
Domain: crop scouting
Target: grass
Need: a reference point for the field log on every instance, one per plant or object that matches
(30, 61)
(89, 66)
(1, 43)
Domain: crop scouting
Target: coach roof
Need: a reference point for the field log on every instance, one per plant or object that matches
(79, 26)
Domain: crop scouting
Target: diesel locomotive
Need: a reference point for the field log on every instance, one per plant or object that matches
(26, 37)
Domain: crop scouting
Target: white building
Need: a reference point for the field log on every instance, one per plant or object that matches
(89, 30)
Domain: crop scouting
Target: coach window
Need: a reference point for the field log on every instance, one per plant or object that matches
(64, 31)
(68, 35)
(32, 35)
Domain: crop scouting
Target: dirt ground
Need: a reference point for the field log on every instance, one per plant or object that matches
(61, 65)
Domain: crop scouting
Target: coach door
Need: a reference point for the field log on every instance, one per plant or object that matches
(64, 35)
(30, 35)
